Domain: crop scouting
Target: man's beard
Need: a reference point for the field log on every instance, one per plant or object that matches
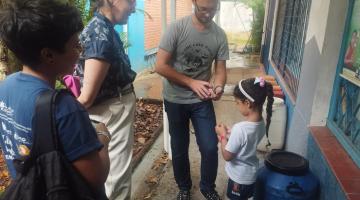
(203, 20)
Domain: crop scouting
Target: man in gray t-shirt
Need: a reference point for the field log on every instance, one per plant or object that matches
(186, 53)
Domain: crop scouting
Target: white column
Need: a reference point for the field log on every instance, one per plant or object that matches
(172, 10)
(167, 138)
(167, 146)
(163, 15)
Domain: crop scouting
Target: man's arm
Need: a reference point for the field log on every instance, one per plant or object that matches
(219, 78)
(201, 88)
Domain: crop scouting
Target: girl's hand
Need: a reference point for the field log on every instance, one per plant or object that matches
(221, 131)
(228, 131)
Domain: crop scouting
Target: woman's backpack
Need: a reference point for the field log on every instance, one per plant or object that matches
(46, 173)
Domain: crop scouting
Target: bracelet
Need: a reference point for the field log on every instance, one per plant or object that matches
(219, 86)
(221, 138)
(106, 134)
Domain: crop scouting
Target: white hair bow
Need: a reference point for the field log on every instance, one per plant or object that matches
(260, 80)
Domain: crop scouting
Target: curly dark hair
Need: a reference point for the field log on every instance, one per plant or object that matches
(28, 26)
(259, 94)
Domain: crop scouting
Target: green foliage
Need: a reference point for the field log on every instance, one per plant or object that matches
(258, 8)
(124, 38)
(59, 85)
(85, 10)
(14, 64)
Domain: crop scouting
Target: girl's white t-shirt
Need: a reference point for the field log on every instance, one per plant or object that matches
(243, 140)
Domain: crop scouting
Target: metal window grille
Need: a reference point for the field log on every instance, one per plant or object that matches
(268, 31)
(346, 118)
(290, 32)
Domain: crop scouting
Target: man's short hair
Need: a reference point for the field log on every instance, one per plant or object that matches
(28, 26)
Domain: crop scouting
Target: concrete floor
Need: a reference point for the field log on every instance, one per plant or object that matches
(149, 85)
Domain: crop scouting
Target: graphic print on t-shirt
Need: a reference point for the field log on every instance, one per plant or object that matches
(196, 58)
(14, 139)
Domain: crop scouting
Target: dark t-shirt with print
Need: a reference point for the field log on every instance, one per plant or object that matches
(17, 104)
(193, 53)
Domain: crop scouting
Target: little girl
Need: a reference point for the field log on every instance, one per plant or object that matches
(239, 150)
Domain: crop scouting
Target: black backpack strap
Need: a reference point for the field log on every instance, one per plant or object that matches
(44, 126)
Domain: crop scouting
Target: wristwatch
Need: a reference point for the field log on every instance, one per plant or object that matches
(102, 130)
(218, 86)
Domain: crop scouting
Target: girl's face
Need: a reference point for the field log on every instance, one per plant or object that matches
(243, 106)
(121, 10)
(64, 62)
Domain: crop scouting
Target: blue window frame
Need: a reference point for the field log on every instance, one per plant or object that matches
(291, 26)
(344, 115)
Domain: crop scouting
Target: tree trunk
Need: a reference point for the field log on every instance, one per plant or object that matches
(2, 54)
(3, 62)
(8, 62)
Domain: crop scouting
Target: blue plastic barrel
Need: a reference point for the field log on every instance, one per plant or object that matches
(286, 176)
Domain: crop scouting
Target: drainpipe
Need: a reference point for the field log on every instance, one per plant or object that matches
(163, 15)
(172, 10)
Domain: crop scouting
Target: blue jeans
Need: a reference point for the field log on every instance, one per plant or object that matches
(202, 116)
(237, 191)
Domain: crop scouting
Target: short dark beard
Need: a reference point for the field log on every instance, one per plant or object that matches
(201, 21)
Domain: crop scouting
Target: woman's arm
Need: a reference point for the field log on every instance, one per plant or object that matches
(94, 74)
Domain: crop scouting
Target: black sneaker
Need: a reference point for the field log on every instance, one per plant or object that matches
(210, 195)
(183, 195)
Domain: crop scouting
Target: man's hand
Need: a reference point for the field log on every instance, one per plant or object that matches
(217, 92)
(202, 88)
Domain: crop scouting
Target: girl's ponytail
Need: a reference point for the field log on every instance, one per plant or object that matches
(270, 101)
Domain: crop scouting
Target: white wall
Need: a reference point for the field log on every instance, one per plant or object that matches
(235, 17)
(318, 22)
(329, 61)
(321, 52)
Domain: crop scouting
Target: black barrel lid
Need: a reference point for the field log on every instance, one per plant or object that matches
(287, 163)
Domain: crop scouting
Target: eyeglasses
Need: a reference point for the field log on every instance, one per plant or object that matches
(203, 10)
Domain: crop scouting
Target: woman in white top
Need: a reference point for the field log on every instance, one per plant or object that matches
(239, 150)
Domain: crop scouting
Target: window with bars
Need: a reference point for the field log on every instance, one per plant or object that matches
(344, 116)
(289, 37)
(345, 119)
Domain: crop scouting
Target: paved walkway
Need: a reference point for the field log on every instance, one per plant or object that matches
(149, 85)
